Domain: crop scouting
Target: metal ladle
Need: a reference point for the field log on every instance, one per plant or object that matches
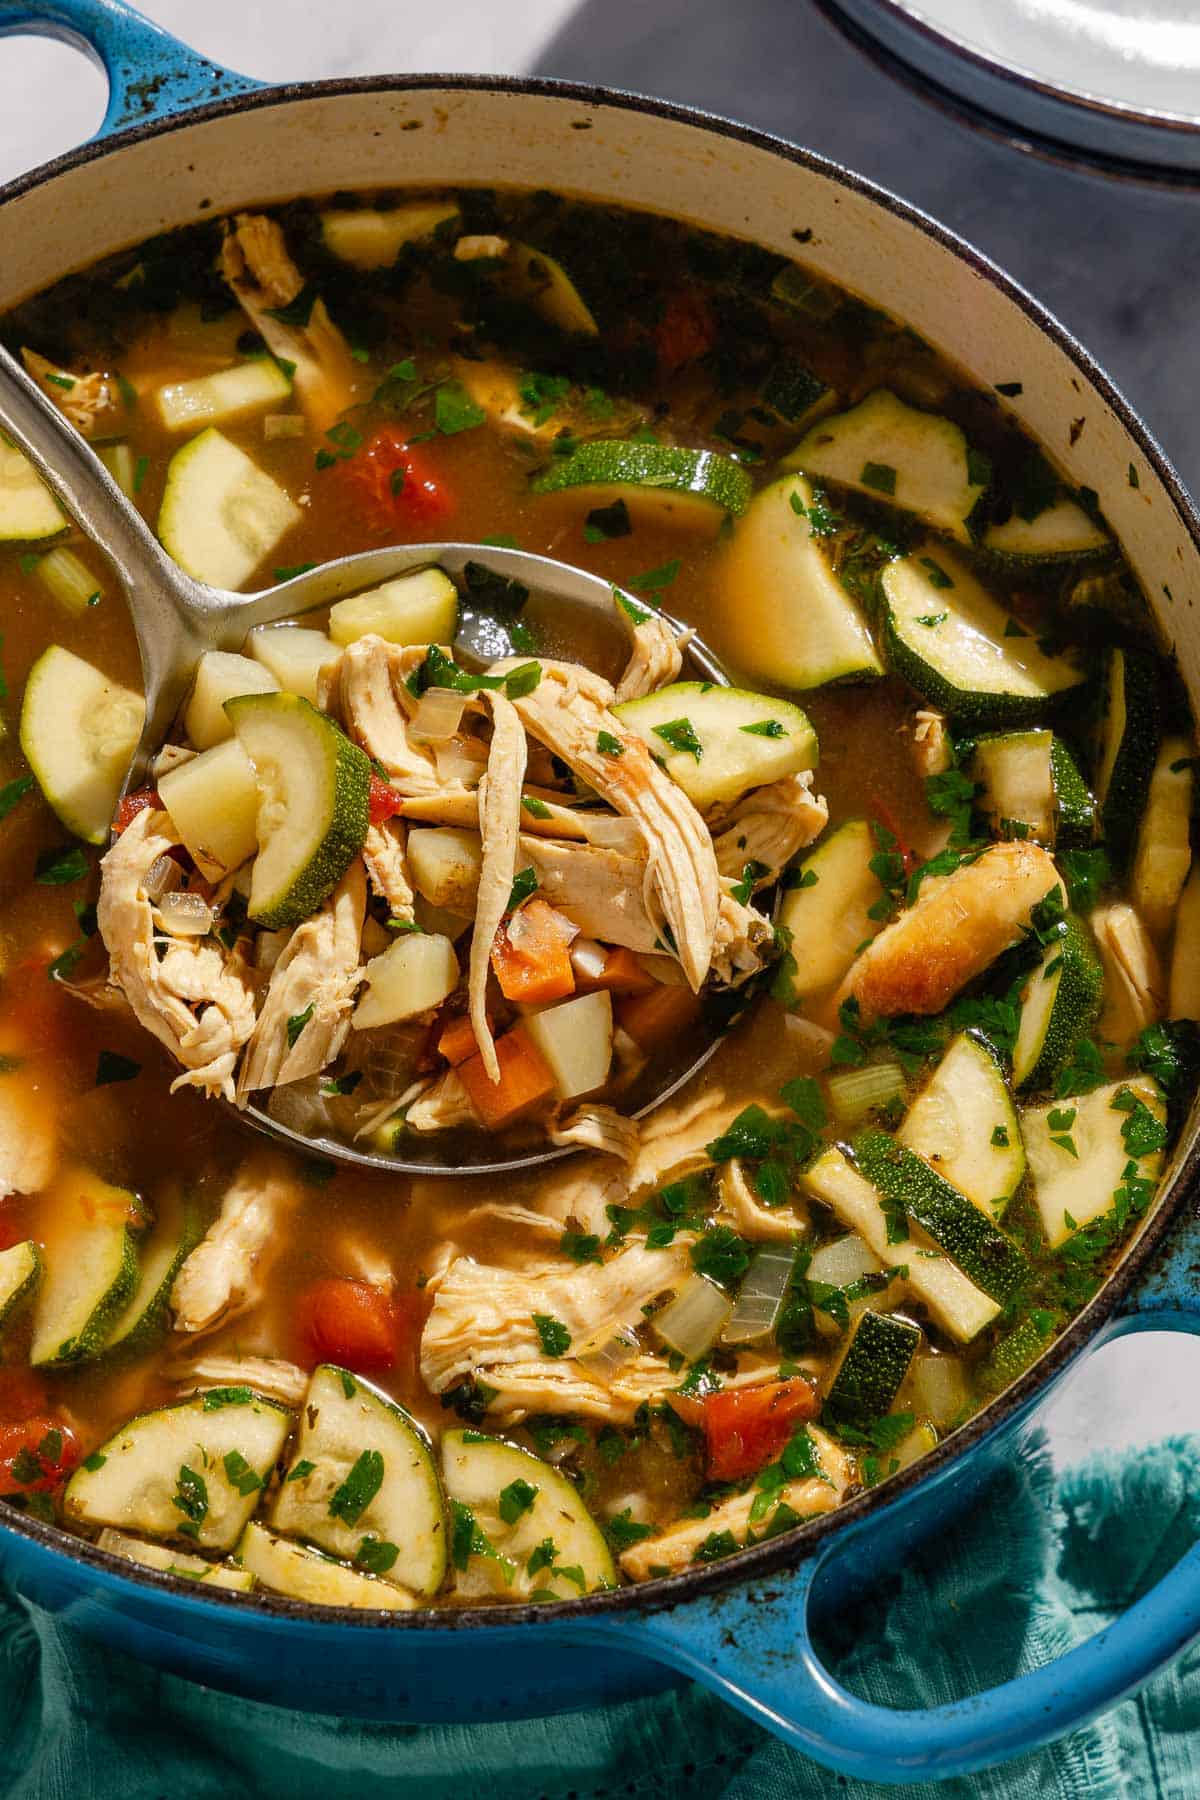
(177, 618)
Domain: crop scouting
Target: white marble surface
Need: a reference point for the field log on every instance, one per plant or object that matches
(1118, 262)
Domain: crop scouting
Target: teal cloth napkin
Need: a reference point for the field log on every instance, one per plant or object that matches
(79, 1723)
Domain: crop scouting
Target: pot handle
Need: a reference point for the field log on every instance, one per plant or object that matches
(151, 75)
(754, 1646)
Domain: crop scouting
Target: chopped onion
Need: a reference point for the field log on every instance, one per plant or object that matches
(693, 1321)
(606, 1353)
(69, 581)
(268, 948)
(612, 833)
(162, 877)
(588, 958)
(300, 1106)
(186, 915)
(857, 1093)
(761, 1296)
(284, 425)
(389, 1063)
(845, 1260)
(939, 1388)
(118, 460)
(438, 716)
(454, 764)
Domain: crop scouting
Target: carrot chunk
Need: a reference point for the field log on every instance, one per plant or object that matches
(525, 1080)
(532, 954)
(653, 1018)
(458, 1040)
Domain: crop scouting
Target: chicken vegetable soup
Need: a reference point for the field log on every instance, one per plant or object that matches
(922, 864)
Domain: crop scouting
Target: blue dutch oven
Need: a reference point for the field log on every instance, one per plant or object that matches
(182, 138)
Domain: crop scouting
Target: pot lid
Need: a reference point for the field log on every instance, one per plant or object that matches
(1114, 81)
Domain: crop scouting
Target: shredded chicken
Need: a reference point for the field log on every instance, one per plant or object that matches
(82, 399)
(957, 928)
(767, 827)
(362, 689)
(555, 817)
(443, 1104)
(1135, 988)
(560, 1385)
(483, 1316)
(748, 1215)
(932, 752)
(594, 1126)
(601, 891)
(387, 867)
(500, 823)
(654, 660)
(274, 1379)
(744, 939)
(198, 1000)
(314, 980)
(570, 712)
(676, 1547)
(256, 264)
(227, 1270)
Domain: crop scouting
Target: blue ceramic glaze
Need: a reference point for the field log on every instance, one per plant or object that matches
(748, 1640)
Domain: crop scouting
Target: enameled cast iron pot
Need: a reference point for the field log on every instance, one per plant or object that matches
(182, 138)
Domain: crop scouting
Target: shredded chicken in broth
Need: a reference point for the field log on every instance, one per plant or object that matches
(924, 865)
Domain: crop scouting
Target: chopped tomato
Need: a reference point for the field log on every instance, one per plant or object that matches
(393, 481)
(746, 1428)
(685, 331)
(525, 1080)
(890, 822)
(133, 804)
(531, 954)
(383, 802)
(36, 1455)
(350, 1322)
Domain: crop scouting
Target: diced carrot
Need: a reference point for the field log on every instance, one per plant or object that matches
(346, 1321)
(532, 954)
(458, 1040)
(653, 1018)
(746, 1428)
(623, 974)
(525, 1080)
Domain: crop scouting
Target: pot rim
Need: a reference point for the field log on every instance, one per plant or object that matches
(779, 1554)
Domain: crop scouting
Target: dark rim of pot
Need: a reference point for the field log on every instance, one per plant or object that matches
(776, 1554)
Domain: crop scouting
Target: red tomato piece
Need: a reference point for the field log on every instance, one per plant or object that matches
(133, 804)
(349, 1322)
(887, 818)
(746, 1428)
(685, 331)
(383, 802)
(393, 481)
(36, 1455)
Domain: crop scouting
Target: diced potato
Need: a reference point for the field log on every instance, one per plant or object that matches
(414, 609)
(444, 865)
(373, 240)
(295, 655)
(440, 918)
(575, 1038)
(414, 975)
(1185, 953)
(221, 676)
(213, 800)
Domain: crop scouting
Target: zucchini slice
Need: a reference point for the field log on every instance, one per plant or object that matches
(717, 742)
(79, 731)
(986, 1255)
(145, 1317)
(875, 1361)
(421, 608)
(221, 514)
(219, 677)
(305, 1574)
(828, 912)
(372, 239)
(959, 1307)
(1016, 1351)
(1127, 747)
(226, 394)
(1061, 532)
(956, 645)
(1030, 779)
(1060, 1003)
(520, 1529)
(542, 282)
(1078, 1155)
(91, 1267)
(1164, 849)
(20, 1272)
(964, 1125)
(915, 460)
(313, 791)
(193, 1471)
(176, 1562)
(28, 510)
(362, 1484)
(1185, 953)
(790, 620)
(659, 484)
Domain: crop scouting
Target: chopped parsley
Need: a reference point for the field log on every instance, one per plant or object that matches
(351, 1499)
(60, 865)
(111, 1066)
(525, 884)
(768, 728)
(296, 1024)
(581, 1246)
(932, 619)
(216, 1399)
(13, 792)
(516, 1499)
(191, 1499)
(240, 1475)
(537, 809)
(721, 1255)
(605, 522)
(681, 736)
(1000, 1136)
(522, 680)
(637, 615)
(623, 1530)
(454, 410)
(880, 476)
(375, 1556)
(651, 581)
(299, 1471)
(608, 745)
(752, 873)
(553, 1335)
(938, 577)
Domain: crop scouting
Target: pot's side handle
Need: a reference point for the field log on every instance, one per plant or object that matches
(151, 75)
